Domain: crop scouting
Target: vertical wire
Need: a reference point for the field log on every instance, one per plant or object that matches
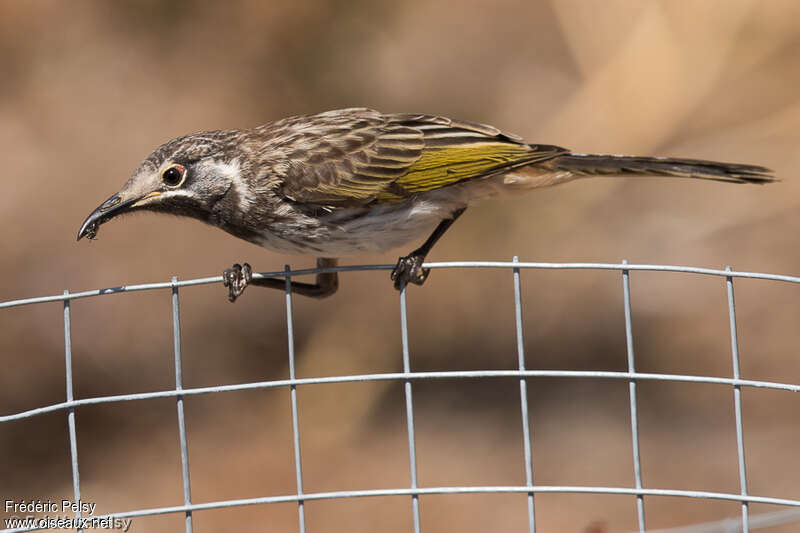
(737, 402)
(176, 337)
(637, 462)
(412, 450)
(523, 398)
(293, 394)
(73, 439)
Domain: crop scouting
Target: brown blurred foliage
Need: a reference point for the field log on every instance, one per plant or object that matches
(88, 88)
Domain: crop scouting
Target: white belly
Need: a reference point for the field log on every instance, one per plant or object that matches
(346, 232)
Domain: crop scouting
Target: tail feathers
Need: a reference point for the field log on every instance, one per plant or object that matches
(590, 164)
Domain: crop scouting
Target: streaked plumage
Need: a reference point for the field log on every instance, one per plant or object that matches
(356, 180)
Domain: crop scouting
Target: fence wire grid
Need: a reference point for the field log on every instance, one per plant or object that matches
(638, 492)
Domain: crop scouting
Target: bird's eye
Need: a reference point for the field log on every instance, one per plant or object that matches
(173, 176)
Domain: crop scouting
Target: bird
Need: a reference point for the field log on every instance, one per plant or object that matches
(356, 180)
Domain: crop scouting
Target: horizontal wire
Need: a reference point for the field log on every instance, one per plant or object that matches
(734, 525)
(524, 489)
(396, 376)
(435, 265)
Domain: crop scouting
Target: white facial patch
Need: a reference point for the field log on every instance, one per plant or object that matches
(231, 171)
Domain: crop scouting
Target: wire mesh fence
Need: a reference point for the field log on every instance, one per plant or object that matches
(638, 492)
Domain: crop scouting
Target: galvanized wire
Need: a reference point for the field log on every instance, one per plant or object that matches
(523, 398)
(407, 377)
(298, 465)
(737, 403)
(176, 334)
(435, 265)
(637, 460)
(73, 437)
(412, 446)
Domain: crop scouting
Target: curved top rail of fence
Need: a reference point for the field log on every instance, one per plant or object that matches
(443, 264)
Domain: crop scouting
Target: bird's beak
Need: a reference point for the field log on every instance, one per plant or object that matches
(116, 205)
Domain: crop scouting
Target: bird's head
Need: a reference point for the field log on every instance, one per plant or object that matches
(185, 176)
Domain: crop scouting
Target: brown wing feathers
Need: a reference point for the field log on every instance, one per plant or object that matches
(390, 157)
(356, 156)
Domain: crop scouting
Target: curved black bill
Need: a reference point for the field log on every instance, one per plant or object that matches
(108, 209)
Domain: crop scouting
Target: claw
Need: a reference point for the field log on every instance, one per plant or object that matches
(236, 279)
(409, 270)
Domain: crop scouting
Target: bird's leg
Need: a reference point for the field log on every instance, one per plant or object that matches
(409, 268)
(239, 277)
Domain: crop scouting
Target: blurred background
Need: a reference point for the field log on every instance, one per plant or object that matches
(89, 88)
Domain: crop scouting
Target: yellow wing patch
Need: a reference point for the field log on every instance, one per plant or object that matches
(440, 167)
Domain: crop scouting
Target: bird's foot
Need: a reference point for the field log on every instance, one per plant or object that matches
(409, 270)
(236, 279)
